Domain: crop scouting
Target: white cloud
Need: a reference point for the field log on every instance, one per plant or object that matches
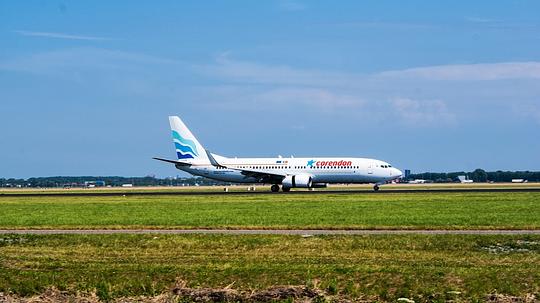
(433, 95)
(528, 111)
(249, 72)
(257, 98)
(384, 25)
(255, 73)
(422, 112)
(470, 72)
(59, 35)
(124, 73)
(310, 96)
(480, 20)
(72, 61)
(243, 85)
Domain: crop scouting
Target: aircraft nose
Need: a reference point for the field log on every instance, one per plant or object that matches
(396, 173)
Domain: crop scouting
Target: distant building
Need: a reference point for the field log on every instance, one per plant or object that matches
(464, 179)
(519, 181)
(94, 183)
(407, 174)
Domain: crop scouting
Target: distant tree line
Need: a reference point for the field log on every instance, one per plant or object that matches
(480, 175)
(109, 181)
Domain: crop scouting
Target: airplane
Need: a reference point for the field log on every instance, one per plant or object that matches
(314, 172)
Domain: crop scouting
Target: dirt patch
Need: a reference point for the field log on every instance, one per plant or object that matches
(498, 298)
(296, 293)
(51, 295)
(185, 294)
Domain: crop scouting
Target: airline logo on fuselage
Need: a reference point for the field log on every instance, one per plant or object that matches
(313, 163)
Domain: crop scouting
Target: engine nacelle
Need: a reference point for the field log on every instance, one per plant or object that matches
(302, 180)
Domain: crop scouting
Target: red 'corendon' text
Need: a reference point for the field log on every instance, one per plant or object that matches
(333, 163)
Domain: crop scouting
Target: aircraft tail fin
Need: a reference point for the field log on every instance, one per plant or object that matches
(187, 146)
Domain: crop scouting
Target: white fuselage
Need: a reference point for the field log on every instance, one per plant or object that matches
(321, 170)
(193, 158)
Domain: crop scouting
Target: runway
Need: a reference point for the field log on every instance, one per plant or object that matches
(301, 232)
(232, 193)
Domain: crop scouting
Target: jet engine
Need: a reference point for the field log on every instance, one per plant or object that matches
(302, 180)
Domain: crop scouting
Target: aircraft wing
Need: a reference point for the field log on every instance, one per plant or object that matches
(261, 175)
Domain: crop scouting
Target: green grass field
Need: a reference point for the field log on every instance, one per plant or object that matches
(337, 211)
(420, 267)
(264, 188)
(376, 267)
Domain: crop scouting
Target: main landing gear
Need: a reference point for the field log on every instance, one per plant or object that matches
(274, 188)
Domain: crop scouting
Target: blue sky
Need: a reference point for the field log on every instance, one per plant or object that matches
(86, 86)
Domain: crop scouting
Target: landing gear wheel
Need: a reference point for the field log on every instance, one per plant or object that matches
(286, 189)
(376, 187)
(274, 188)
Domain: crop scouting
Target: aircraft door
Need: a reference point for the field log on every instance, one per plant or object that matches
(370, 168)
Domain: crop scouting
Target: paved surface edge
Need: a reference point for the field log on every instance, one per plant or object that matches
(268, 231)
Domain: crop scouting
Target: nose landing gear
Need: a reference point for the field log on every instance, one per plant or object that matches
(376, 187)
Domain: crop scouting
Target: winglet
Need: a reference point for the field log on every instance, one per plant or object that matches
(213, 160)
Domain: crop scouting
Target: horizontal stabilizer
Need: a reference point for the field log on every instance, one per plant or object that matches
(173, 161)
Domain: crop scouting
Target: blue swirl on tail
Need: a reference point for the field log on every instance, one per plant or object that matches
(185, 148)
